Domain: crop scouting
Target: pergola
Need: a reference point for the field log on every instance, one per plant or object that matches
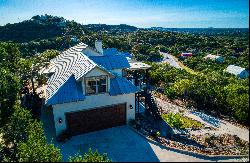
(137, 68)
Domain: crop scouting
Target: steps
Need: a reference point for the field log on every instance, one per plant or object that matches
(151, 105)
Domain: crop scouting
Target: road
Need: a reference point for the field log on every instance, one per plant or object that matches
(168, 58)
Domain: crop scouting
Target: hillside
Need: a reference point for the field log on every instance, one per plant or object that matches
(35, 28)
(47, 27)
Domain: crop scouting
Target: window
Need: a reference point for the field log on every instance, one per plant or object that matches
(95, 85)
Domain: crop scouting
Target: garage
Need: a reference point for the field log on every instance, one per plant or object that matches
(96, 119)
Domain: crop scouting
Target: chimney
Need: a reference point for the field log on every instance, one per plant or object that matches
(98, 46)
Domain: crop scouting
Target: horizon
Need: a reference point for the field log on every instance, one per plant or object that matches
(139, 13)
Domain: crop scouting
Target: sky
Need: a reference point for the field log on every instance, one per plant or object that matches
(139, 13)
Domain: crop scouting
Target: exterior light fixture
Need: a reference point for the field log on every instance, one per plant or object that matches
(130, 106)
(59, 120)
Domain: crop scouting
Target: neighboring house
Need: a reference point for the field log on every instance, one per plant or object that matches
(238, 71)
(86, 90)
(216, 58)
(186, 54)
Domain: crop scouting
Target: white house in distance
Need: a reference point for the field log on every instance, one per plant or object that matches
(216, 58)
(86, 90)
(238, 71)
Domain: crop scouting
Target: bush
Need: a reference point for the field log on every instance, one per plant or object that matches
(179, 121)
(90, 157)
(170, 93)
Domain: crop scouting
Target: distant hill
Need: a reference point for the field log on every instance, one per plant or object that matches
(206, 31)
(47, 26)
(38, 27)
(111, 28)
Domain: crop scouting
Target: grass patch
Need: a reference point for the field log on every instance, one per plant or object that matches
(179, 121)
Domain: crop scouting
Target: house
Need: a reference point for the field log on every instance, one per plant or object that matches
(216, 58)
(238, 71)
(86, 90)
(186, 54)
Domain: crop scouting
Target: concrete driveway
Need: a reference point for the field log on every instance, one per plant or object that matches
(122, 145)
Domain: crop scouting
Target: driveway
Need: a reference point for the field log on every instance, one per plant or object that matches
(170, 59)
(122, 145)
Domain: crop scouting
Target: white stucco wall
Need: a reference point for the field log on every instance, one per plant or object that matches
(91, 102)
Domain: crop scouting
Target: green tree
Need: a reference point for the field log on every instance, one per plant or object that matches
(9, 88)
(35, 149)
(24, 139)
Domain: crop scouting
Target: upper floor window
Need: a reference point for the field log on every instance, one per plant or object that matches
(95, 85)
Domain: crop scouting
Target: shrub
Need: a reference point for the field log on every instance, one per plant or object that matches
(170, 93)
(90, 157)
(179, 121)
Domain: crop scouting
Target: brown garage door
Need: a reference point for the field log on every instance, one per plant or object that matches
(96, 119)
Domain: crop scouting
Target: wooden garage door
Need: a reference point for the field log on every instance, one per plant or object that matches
(96, 119)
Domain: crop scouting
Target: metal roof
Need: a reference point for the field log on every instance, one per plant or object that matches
(126, 54)
(236, 70)
(135, 65)
(70, 91)
(111, 62)
(211, 56)
(110, 51)
(70, 62)
(119, 85)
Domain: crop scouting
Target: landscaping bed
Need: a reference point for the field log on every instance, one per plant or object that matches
(208, 144)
